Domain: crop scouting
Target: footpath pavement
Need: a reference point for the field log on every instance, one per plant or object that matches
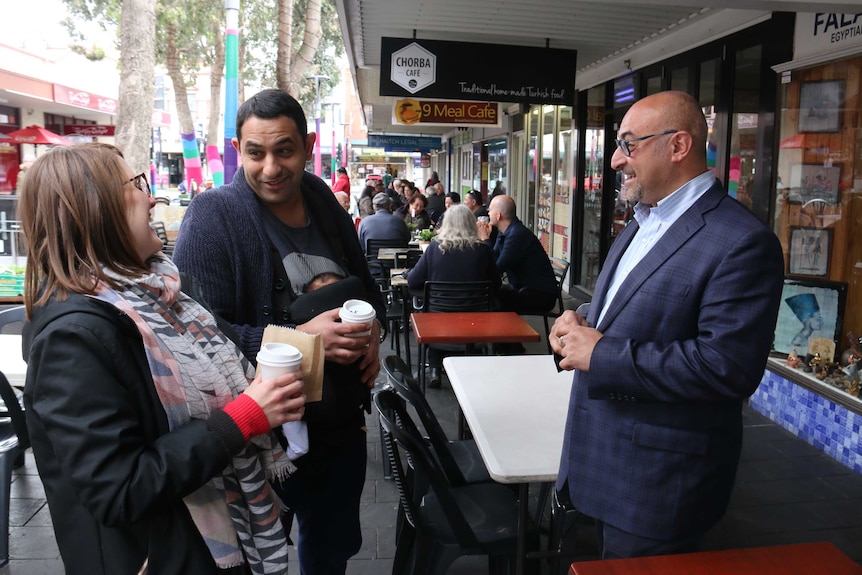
(786, 492)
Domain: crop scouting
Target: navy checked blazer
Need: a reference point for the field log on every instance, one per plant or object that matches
(654, 429)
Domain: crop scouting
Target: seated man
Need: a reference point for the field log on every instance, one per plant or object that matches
(383, 224)
(532, 287)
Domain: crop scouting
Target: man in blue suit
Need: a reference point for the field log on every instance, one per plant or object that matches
(675, 340)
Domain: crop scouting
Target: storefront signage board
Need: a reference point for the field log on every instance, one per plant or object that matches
(412, 112)
(826, 32)
(404, 143)
(478, 72)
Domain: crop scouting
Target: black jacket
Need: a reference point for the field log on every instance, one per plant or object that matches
(114, 475)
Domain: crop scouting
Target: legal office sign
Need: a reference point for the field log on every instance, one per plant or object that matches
(414, 68)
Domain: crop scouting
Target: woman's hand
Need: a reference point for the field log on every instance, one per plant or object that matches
(281, 399)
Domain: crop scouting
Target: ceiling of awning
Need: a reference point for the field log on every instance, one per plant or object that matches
(605, 33)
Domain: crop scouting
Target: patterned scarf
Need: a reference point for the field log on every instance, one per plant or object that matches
(196, 370)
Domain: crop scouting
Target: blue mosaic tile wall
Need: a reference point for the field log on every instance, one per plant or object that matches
(829, 427)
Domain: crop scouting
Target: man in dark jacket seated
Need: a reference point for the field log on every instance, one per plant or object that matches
(532, 287)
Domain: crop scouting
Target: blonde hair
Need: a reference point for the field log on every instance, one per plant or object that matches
(459, 230)
(73, 215)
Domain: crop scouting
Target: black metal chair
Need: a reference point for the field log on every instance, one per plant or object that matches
(12, 319)
(448, 297)
(162, 232)
(14, 440)
(561, 268)
(442, 522)
(380, 268)
(460, 460)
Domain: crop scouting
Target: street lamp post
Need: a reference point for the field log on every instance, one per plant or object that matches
(317, 78)
(333, 157)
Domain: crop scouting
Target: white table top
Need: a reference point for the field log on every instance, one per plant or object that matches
(11, 363)
(516, 408)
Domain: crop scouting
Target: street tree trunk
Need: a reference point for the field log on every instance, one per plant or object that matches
(284, 56)
(137, 78)
(294, 68)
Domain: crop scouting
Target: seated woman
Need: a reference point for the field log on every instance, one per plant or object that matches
(456, 254)
(416, 215)
(365, 206)
(152, 435)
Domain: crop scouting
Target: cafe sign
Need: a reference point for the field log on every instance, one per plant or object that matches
(476, 72)
(414, 68)
(411, 112)
(87, 130)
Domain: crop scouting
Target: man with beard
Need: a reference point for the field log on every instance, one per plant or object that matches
(675, 340)
(253, 245)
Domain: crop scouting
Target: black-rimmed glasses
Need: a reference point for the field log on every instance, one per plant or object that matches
(140, 182)
(626, 148)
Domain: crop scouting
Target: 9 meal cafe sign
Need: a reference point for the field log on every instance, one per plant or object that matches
(409, 112)
(431, 69)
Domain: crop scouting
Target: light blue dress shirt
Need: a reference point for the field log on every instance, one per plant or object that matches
(653, 222)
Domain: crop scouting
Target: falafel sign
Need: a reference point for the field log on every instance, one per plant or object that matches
(410, 112)
(477, 72)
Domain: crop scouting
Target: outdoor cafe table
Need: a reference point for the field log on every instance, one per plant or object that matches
(398, 280)
(467, 328)
(516, 408)
(11, 363)
(797, 559)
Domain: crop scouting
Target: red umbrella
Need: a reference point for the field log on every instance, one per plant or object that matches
(38, 135)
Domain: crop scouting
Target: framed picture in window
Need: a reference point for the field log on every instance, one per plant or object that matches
(809, 309)
(814, 182)
(820, 106)
(809, 251)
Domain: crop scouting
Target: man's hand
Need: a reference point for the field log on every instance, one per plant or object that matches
(370, 364)
(341, 341)
(573, 339)
(484, 230)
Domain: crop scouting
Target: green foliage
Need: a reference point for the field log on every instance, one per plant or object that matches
(427, 235)
(191, 20)
(259, 28)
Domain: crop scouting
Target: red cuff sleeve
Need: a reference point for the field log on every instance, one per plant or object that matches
(248, 416)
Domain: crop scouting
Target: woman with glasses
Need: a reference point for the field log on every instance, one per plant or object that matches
(152, 436)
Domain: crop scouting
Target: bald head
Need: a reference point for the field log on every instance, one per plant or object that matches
(665, 146)
(502, 212)
(343, 199)
(675, 111)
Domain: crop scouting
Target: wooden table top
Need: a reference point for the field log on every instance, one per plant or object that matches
(799, 559)
(471, 327)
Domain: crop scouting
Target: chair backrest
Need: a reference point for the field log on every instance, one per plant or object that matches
(372, 245)
(458, 296)
(408, 259)
(408, 389)
(398, 429)
(14, 412)
(561, 268)
(10, 319)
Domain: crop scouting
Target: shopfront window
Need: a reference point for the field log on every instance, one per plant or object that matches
(743, 127)
(817, 214)
(533, 170)
(544, 217)
(563, 185)
(594, 155)
(497, 155)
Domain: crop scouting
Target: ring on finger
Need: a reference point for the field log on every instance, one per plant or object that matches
(560, 341)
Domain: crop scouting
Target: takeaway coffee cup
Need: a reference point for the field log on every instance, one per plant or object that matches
(276, 359)
(357, 311)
